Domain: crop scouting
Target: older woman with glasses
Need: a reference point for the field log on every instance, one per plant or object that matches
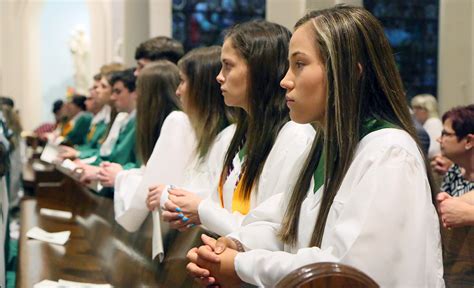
(456, 201)
(457, 142)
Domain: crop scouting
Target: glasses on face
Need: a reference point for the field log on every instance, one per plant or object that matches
(445, 133)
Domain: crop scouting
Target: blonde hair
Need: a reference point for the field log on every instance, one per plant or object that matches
(427, 102)
(110, 68)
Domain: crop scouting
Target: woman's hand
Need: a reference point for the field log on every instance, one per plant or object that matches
(107, 173)
(210, 268)
(89, 174)
(454, 212)
(153, 197)
(441, 164)
(181, 209)
(66, 152)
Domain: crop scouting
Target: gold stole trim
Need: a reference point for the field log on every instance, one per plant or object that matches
(91, 133)
(239, 203)
(66, 129)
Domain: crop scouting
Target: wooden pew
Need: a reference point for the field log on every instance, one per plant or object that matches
(458, 256)
(325, 275)
(99, 250)
(37, 172)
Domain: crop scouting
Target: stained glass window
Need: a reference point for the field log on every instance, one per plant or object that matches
(199, 23)
(412, 29)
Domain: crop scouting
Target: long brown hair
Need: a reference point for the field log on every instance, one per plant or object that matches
(362, 83)
(156, 86)
(209, 115)
(264, 47)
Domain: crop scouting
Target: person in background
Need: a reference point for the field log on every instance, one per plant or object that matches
(78, 126)
(425, 108)
(457, 144)
(158, 48)
(60, 117)
(122, 147)
(17, 150)
(97, 128)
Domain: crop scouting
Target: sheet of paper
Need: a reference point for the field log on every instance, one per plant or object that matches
(46, 284)
(50, 153)
(157, 237)
(68, 164)
(55, 213)
(68, 284)
(74, 284)
(59, 238)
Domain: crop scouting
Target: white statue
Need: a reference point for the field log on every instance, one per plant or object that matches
(79, 47)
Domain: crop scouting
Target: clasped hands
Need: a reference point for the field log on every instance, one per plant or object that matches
(212, 264)
(454, 211)
(181, 208)
(105, 173)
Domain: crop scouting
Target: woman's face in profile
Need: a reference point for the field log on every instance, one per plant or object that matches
(305, 80)
(182, 92)
(233, 77)
(104, 90)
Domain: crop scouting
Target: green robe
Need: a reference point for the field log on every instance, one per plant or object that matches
(123, 152)
(78, 134)
(92, 145)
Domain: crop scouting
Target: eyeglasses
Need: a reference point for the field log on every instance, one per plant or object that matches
(445, 133)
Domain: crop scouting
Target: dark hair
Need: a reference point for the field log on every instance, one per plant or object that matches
(126, 77)
(97, 77)
(348, 39)
(57, 105)
(262, 45)
(7, 101)
(79, 101)
(463, 120)
(209, 113)
(160, 48)
(156, 88)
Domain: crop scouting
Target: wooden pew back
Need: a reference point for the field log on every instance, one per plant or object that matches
(326, 275)
(458, 256)
(98, 246)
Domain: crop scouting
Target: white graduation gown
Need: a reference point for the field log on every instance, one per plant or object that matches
(382, 222)
(292, 140)
(202, 175)
(172, 153)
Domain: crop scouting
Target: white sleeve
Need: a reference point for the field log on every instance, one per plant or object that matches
(264, 221)
(171, 154)
(389, 207)
(126, 182)
(218, 219)
(291, 145)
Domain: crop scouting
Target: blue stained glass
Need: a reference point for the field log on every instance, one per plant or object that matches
(412, 30)
(203, 23)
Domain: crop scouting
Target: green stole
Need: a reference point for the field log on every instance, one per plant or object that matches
(368, 127)
(78, 134)
(96, 131)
